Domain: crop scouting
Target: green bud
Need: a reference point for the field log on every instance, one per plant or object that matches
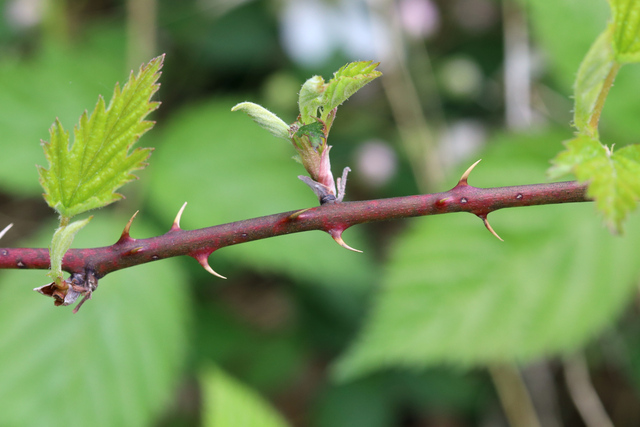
(265, 118)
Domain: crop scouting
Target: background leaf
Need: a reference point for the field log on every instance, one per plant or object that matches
(228, 403)
(36, 91)
(116, 362)
(453, 294)
(85, 175)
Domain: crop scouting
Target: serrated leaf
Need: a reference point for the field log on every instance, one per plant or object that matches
(578, 150)
(86, 175)
(346, 81)
(452, 294)
(614, 183)
(265, 118)
(626, 29)
(613, 176)
(60, 244)
(123, 352)
(593, 71)
(229, 403)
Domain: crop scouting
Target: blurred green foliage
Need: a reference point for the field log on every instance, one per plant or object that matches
(427, 295)
(115, 366)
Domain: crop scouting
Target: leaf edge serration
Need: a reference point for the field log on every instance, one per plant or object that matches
(128, 123)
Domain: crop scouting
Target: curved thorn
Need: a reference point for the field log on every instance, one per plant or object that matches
(203, 259)
(4, 230)
(125, 232)
(465, 175)
(176, 222)
(337, 236)
(486, 224)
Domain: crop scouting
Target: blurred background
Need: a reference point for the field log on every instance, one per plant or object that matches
(437, 323)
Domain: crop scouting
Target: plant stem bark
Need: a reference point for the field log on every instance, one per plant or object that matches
(332, 218)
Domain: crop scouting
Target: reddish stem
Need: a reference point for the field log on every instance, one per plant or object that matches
(332, 218)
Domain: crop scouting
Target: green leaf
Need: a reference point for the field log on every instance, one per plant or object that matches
(316, 94)
(614, 183)
(613, 176)
(553, 20)
(310, 99)
(578, 150)
(60, 244)
(626, 30)
(590, 82)
(453, 294)
(265, 118)
(346, 81)
(116, 362)
(314, 134)
(85, 176)
(228, 403)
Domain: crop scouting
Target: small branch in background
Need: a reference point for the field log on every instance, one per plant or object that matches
(539, 378)
(583, 394)
(416, 134)
(141, 31)
(514, 396)
(517, 67)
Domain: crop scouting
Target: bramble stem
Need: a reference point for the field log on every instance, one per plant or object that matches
(332, 218)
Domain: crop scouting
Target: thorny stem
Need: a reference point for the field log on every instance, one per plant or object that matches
(331, 218)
